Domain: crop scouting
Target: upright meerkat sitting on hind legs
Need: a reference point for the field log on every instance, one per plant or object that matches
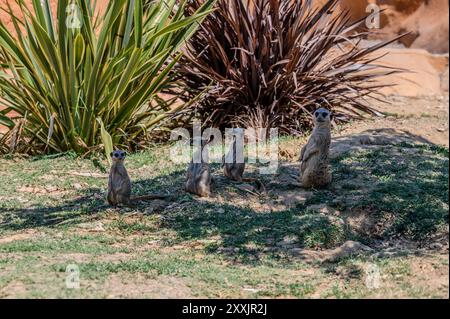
(234, 162)
(198, 177)
(119, 183)
(314, 156)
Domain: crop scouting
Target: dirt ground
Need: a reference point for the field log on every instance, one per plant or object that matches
(424, 117)
(380, 230)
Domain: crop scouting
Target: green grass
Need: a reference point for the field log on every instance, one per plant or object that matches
(224, 247)
(409, 191)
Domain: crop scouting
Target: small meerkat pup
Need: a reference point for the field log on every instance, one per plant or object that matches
(119, 185)
(198, 177)
(314, 156)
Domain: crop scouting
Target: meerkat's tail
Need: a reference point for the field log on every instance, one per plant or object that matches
(148, 197)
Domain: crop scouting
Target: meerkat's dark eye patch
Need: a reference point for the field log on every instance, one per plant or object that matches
(324, 114)
(317, 114)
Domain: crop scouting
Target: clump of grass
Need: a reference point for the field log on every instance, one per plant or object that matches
(407, 193)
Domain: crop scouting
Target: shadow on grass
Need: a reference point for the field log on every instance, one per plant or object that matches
(404, 190)
(383, 136)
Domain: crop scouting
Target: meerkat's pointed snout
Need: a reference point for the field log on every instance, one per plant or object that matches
(118, 156)
(322, 116)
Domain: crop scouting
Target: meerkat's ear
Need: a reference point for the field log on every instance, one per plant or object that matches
(111, 154)
(125, 154)
(331, 116)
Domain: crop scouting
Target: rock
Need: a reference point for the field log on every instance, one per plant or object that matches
(323, 209)
(288, 241)
(337, 149)
(98, 228)
(348, 249)
(228, 250)
(306, 255)
(336, 220)
(51, 189)
(77, 186)
(92, 227)
(371, 140)
(251, 290)
(287, 178)
(293, 198)
(155, 206)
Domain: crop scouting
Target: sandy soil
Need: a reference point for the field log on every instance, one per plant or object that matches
(426, 118)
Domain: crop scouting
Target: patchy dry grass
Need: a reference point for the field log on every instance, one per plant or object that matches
(393, 198)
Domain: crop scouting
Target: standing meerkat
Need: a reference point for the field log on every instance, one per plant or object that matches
(119, 184)
(233, 168)
(314, 156)
(199, 177)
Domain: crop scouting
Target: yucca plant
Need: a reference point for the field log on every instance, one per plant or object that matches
(69, 74)
(5, 123)
(270, 63)
(5, 120)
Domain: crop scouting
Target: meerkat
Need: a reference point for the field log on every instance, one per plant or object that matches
(199, 178)
(314, 156)
(231, 168)
(234, 170)
(119, 184)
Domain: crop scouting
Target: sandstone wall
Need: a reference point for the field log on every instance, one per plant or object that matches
(426, 20)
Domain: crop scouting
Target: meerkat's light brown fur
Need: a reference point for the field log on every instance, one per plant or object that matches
(233, 169)
(314, 157)
(198, 177)
(119, 185)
